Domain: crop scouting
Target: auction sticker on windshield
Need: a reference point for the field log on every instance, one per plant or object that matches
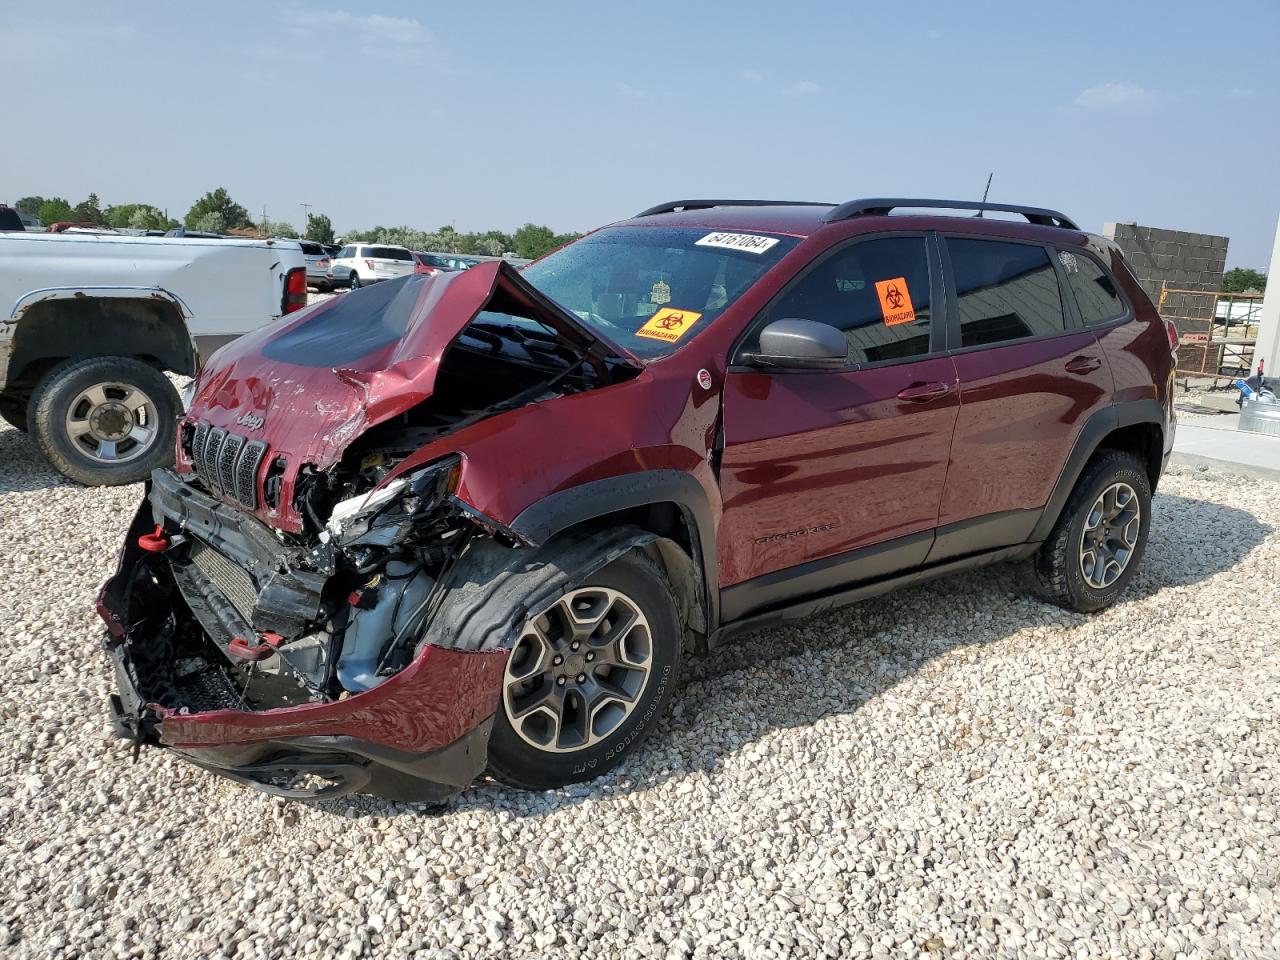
(737, 241)
(669, 325)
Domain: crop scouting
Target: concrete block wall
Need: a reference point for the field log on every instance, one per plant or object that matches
(1179, 260)
(1189, 261)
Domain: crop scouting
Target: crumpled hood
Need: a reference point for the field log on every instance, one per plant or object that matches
(310, 384)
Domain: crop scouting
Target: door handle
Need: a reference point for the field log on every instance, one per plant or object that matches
(1083, 364)
(924, 392)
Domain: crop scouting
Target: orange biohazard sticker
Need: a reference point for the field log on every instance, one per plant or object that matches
(895, 301)
(668, 324)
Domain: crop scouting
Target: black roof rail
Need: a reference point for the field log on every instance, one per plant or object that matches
(881, 206)
(708, 204)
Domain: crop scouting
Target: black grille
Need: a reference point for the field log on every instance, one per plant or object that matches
(228, 463)
(226, 466)
(208, 468)
(247, 473)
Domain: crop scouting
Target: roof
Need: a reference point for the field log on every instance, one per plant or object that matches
(802, 219)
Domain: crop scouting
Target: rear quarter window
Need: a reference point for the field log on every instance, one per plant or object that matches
(1097, 295)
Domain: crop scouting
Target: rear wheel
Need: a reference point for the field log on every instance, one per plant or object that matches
(1099, 539)
(355, 281)
(588, 678)
(105, 420)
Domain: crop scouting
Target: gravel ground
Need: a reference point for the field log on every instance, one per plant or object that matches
(953, 771)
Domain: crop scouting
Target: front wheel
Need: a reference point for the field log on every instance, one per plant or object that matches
(105, 420)
(355, 281)
(588, 678)
(1099, 539)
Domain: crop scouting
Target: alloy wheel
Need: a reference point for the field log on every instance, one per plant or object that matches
(1110, 535)
(578, 670)
(112, 422)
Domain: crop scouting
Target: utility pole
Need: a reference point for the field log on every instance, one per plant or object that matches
(306, 213)
(263, 228)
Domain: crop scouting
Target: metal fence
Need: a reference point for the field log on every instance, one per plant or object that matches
(1217, 330)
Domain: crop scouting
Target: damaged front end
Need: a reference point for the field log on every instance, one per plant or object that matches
(300, 670)
(272, 615)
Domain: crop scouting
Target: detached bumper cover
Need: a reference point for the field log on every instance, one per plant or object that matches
(269, 755)
(420, 735)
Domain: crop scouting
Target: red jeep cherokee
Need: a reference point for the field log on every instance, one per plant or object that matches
(472, 520)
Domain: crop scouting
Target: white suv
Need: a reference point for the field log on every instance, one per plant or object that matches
(359, 263)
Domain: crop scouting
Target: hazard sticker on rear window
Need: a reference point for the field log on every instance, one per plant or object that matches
(668, 325)
(895, 301)
(737, 241)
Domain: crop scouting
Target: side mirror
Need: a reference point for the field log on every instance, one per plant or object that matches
(801, 345)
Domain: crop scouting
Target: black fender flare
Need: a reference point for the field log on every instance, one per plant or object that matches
(542, 520)
(1095, 430)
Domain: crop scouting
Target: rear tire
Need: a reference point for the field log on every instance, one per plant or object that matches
(105, 420)
(606, 659)
(1100, 537)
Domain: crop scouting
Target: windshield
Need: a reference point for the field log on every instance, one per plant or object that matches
(652, 289)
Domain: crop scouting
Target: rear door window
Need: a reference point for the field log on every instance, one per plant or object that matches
(1097, 297)
(875, 291)
(1004, 291)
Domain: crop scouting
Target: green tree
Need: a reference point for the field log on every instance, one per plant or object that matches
(30, 206)
(277, 228)
(319, 228)
(211, 222)
(55, 209)
(534, 240)
(88, 211)
(136, 216)
(1244, 279)
(219, 203)
(147, 217)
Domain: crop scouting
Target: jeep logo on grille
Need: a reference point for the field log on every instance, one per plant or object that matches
(250, 421)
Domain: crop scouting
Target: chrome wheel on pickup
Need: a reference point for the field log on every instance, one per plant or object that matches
(112, 422)
(105, 420)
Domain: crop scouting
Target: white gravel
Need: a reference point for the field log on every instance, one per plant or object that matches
(953, 771)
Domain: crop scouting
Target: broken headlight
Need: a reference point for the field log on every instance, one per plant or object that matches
(415, 493)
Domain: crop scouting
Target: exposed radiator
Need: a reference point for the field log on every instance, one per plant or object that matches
(232, 582)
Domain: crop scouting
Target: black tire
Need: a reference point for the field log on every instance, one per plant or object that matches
(517, 763)
(355, 283)
(1057, 571)
(51, 404)
(14, 413)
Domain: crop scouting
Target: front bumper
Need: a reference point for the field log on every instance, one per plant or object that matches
(420, 735)
(313, 767)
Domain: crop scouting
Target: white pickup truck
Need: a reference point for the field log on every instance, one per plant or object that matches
(90, 323)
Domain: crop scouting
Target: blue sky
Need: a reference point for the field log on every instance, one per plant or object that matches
(574, 114)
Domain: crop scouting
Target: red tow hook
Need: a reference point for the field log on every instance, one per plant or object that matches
(154, 542)
(242, 649)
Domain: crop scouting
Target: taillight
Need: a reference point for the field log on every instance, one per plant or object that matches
(1173, 335)
(295, 290)
(369, 264)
